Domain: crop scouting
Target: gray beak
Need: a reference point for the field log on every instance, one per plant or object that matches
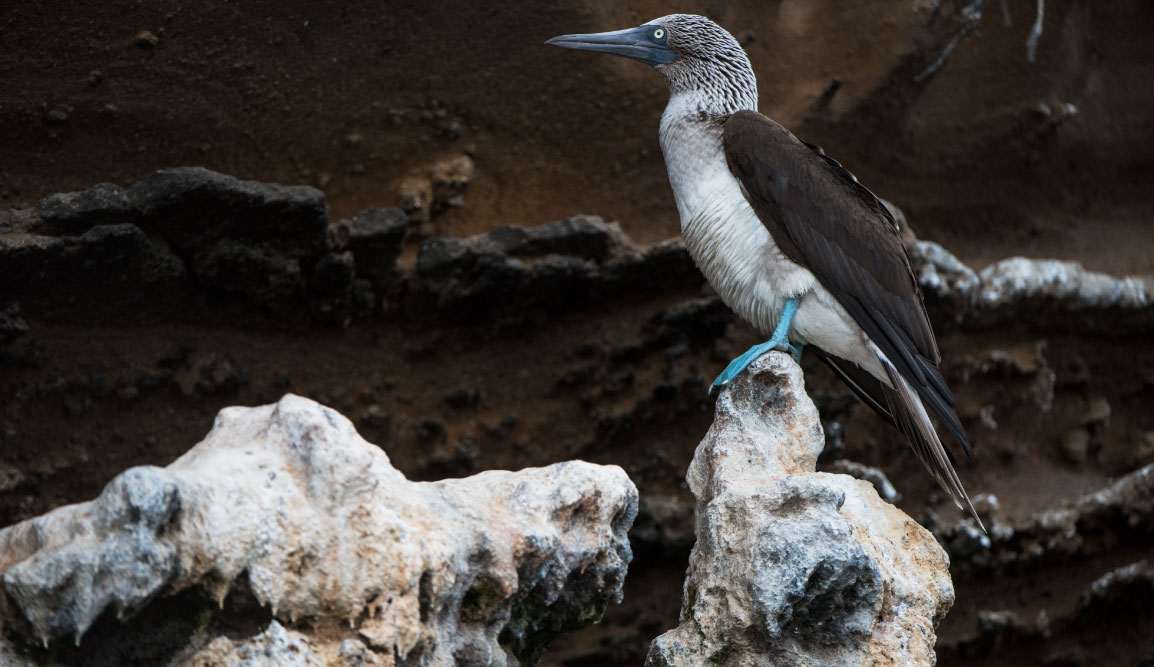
(635, 43)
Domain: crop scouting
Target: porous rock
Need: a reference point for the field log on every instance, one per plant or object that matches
(513, 273)
(1055, 294)
(376, 237)
(112, 263)
(1121, 511)
(287, 504)
(791, 566)
(194, 208)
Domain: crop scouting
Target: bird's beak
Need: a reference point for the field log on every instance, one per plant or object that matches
(635, 43)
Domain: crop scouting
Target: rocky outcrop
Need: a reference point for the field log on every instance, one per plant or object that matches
(794, 567)
(1122, 511)
(285, 512)
(1056, 294)
(189, 240)
(517, 274)
(190, 236)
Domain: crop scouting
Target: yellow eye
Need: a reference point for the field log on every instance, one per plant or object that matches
(658, 34)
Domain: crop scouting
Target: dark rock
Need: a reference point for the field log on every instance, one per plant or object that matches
(440, 255)
(194, 209)
(502, 429)
(146, 39)
(463, 398)
(665, 391)
(364, 299)
(430, 430)
(615, 383)
(625, 353)
(331, 287)
(579, 236)
(76, 212)
(1075, 445)
(694, 321)
(253, 239)
(665, 266)
(234, 267)
(1122, 512)
(577, 376)
(178, 355)
(517, 275)
(218, 373)
(460, 285)
(375, 424)
(589, 348)
(107, 264)
(1126, 588)
(57, 116)
(458, 461)
(663, 528)
(835, 407)
(12, 326)
(376, 237)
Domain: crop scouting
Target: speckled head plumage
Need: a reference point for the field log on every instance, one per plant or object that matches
(694, 55)
(709, 61)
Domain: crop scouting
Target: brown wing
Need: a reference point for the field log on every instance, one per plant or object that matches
(823, 219)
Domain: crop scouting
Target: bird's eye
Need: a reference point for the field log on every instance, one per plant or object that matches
(659, 33)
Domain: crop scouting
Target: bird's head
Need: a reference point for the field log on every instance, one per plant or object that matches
(692, 53)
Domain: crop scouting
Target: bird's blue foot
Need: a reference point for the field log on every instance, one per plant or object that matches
(779, 341)
(737, 365)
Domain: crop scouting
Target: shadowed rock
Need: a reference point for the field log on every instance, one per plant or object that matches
(194, 208)
(791, 566)
(287, 506)
(376, 237)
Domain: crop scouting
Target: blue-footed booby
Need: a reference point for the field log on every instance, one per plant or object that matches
(788, 238)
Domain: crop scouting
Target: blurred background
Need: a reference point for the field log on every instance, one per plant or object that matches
(457, 112)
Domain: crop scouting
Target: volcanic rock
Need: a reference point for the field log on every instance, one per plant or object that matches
(286, 506)
(794, 567)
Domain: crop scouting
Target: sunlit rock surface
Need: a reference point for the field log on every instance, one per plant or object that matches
(791, 566)
(285, 511)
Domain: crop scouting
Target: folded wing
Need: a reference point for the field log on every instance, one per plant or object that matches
(823, 219)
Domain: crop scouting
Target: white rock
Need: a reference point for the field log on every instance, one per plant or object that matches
(791, 566)
(1018, 278)
(289, 502)
(1006, 285)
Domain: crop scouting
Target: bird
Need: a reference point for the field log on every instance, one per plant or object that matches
(789, 239)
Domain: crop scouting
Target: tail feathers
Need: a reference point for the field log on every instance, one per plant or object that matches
(911, 418)
(937, 397)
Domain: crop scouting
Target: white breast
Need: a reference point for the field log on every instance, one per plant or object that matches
(734, 249)
(721, 231)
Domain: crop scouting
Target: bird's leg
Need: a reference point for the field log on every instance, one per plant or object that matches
(778, 341)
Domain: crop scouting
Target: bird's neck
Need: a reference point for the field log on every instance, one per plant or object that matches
(708, 87)
(691, 130)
